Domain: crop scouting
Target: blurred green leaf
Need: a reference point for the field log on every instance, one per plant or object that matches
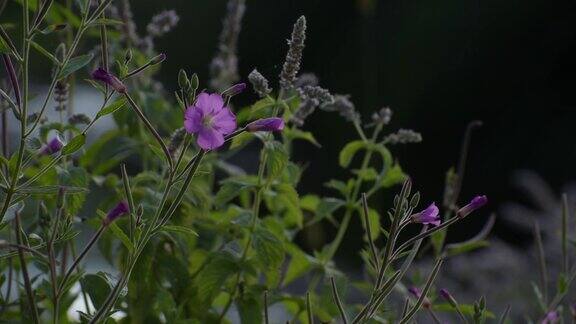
(75, 64)
(74, 145)
(348, 152)
(97, 287)
(111, 108)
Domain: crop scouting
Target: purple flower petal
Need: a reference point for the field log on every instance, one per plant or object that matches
(193, 120)
(429, 216)
(474, 204)
(119, 210)
(224, 121)
(209, 139)
(104, 76)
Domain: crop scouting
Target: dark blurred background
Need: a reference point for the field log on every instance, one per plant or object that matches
(438, 65)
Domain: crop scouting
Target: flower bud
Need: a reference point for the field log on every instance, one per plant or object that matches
(272, 124)
(448, 297)
(54, 146)
(183, 81)
(158, 59)
(474, 204)
(104, 76)
(194, 82)
(234, 90)
(429, 216)
(417, 293)
(119, 210)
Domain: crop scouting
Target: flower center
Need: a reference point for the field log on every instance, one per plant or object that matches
(207, 121)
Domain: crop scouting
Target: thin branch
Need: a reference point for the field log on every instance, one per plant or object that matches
(338, 301)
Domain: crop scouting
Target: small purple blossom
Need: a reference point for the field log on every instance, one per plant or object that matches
(272, 124)
(551, 317)
(428, 216)
(110, 79)
(448, 297)
(53, 146)
(120, 209)
(234, 90)
(210, 120)
(417, 294)
(474, 204)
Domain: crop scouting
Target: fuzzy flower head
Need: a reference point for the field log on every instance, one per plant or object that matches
(272, 124)
(110, 79)
(474, 204)
(552, 317)
(53, 146)
(119, 210)
(428, 216)
(210, 120)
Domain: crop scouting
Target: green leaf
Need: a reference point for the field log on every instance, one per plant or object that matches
(228, 191)
(241, 140)
(249, 309)
(106, 22)
(221, 266)
(298, 266)
(455, 249)
(295, 133)
(277, 158)
(75, 64)
(119, 234)
(393, 176)
(180, 230)
(97, 287)
(268, 247)
(111, 108)
(262, 104)
(288, 199)
(74, 145)
(326, 207)
(374, 218)
(4, 49)
(348, 152)
(368, 174)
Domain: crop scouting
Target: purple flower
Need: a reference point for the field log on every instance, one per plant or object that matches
(119, 210)
(210, 120)
(234, 90)
(272, 124)
(428, 216)
(110, 79)
(417, 293)
(474, 204)
(551, 317)
(54, 146)
(448, 297)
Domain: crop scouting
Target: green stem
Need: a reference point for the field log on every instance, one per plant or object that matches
(24, 267)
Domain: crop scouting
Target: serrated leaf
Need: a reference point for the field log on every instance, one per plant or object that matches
(298, 266)
(74, 145)
(220, 267)
(277, 159)
(228, 191)
(111, 108)
(75, 64)
(295, 133)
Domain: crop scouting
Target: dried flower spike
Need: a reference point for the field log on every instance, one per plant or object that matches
(429, 216)
(403, 136)
(474, 204)
(294, 56)
(53, 146)
(108, 78)
(272, 124)
(344, 107)
(259, 83)
(210, 120)
(119, 210)
(162, 23)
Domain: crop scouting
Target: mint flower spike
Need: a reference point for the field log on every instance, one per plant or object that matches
(474, 204)
(210, 120)
(53, 146)
(272, 124)
(429, 216)
(110, 79)
(119, 210)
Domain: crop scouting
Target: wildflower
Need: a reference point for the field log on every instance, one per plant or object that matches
(315, 92)
(119, 210)
(272, 124)
(306, 108)
(234, 90)
(306, 79)
(259, 83)
(428, 216)
(448, 297)
(104, 76)
(210, 120)
(344, 107)
(417, 293)
(551, 317)
(474, 204)
(53, 146)
(403, 136)
(383, 116)
(294, 56)
(162, 23)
